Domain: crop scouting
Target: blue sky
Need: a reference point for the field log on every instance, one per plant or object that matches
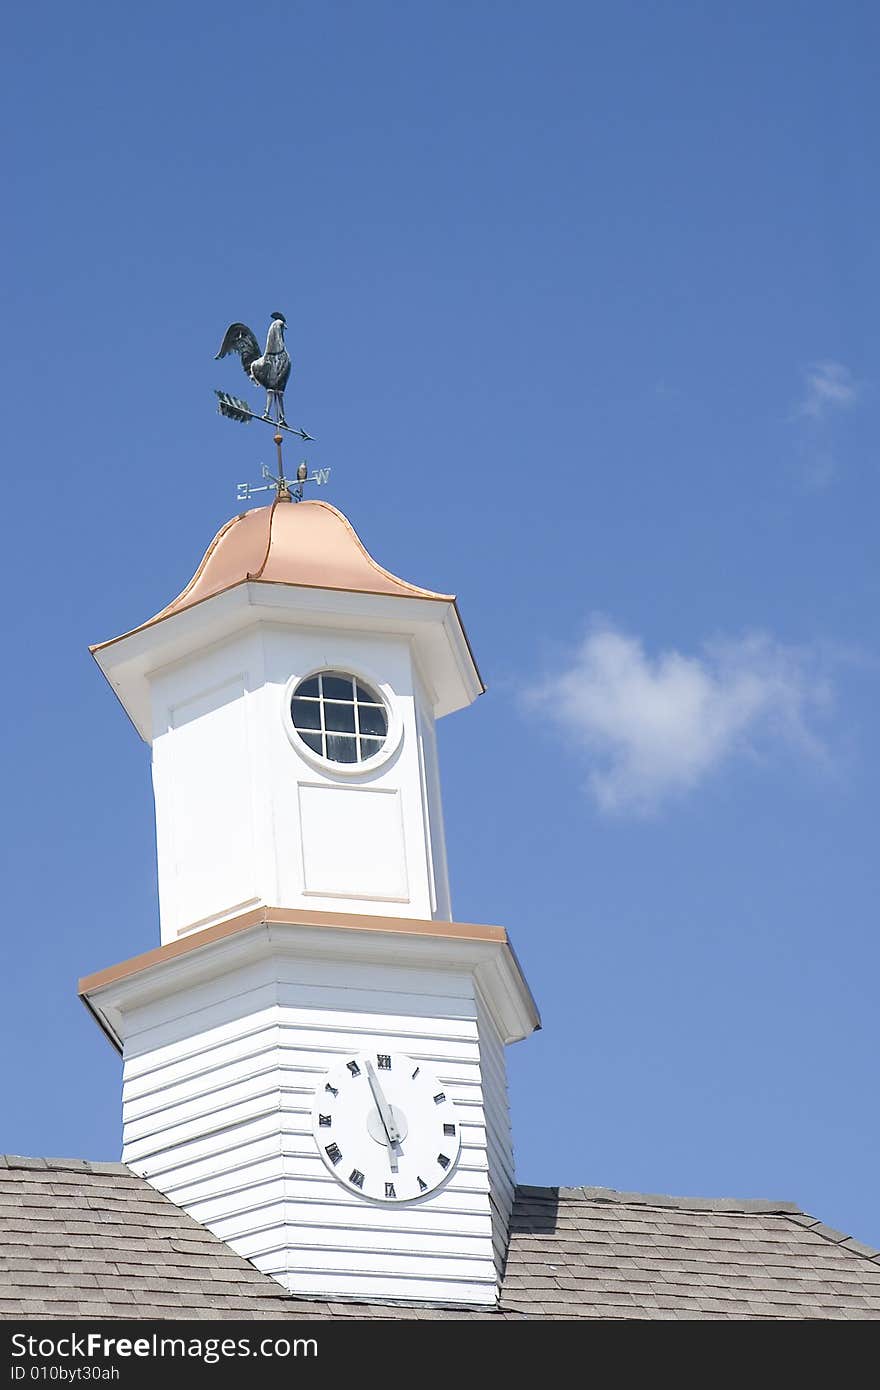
(582, 305)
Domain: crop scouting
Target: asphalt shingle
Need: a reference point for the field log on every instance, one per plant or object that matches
(80, 1239)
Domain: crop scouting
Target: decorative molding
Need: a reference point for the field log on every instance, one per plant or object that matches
(483, 952)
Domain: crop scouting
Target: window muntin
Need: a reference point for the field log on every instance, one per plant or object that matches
(338, 717)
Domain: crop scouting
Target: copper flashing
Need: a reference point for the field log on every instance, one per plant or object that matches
(259, 916)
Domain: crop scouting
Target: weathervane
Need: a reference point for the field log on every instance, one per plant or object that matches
(271, 370)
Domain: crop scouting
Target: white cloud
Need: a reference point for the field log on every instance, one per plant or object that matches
(829, 386)
(655, 727)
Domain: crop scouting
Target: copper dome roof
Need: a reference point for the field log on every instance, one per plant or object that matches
(306, 543)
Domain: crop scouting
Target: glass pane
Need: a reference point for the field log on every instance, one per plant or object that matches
(339, 718)
(341, 749)
(306, 713)
(338, 687)
(369, 746)
(372, 720)
(309, 687)
(364, 694)
(314, 742)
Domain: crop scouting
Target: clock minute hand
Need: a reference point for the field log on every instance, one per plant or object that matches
(382, 1105)
(392, 1133)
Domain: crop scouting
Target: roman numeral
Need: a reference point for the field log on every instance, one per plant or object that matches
(353, 1068)
(324, 1120)
(332, 1089)
(356, 1177)
(423, 1186)
(439, 1098)
(443, 1160)
(449, 1130)
(384, 1061)
(389, 1190)
(333, 1152)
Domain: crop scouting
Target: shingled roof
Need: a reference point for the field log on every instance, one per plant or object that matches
(81, 1239)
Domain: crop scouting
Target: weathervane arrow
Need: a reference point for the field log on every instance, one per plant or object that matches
(234, 408)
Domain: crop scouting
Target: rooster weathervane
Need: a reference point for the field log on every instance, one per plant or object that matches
(271, 370)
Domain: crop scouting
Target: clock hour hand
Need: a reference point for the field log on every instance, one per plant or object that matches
(392, 1133)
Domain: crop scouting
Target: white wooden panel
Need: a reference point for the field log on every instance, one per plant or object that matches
(218, 1010)
(143, 1118)
(311, 1043)
(228, 1200)
(373, 981)
(187, 1078)
(206, 764)
(353, 843)
(433, 810)
(226, 773)
(252, 1159)
(374, 1260)
(173, 1045)
(214, 1148)
(139, 1143)
(407, 1287)
(243, 1000)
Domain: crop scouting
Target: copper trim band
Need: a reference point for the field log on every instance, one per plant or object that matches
(346, 921)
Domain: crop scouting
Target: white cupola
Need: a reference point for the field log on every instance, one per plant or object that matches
(313, 1057)
(289, 695)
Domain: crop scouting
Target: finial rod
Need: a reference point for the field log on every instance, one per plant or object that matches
(283, 491)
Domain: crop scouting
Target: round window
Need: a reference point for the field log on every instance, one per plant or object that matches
(339, 717)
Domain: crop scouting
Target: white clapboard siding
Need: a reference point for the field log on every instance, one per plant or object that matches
(219, 1083)
(499, 1139)
(411, 1286)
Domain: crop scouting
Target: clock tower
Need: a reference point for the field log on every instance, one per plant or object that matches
(313, 1057)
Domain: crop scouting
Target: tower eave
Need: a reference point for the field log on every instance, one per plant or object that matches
(433, 624)
(485, 952)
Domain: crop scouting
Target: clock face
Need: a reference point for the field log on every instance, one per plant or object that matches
(385, 1127)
